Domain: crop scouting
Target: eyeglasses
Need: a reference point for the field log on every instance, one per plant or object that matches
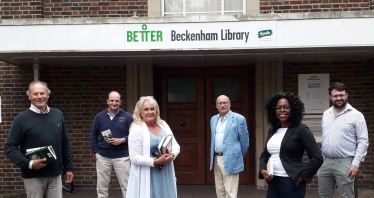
(222, 103)
(339, 96)
(279, 108)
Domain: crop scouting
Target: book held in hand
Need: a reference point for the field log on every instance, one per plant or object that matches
(107, 134)
(164, 144)
(46, 152)
(270, 167)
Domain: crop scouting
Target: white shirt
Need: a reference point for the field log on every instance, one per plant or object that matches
(345, 135)
(220, 132)
(273, 147)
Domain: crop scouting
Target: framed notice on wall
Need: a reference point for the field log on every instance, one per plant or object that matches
(313, 92)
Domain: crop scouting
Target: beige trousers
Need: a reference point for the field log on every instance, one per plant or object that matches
(226, 184)
(47, 187)
(104, 169)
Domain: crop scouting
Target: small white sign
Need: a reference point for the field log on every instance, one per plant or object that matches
(313, 92)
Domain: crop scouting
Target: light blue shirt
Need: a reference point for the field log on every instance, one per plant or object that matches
(345, 135)
(220, 132)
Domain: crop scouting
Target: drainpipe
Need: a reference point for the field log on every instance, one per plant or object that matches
(36, 71)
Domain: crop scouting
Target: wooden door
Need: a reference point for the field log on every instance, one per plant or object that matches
(182, 106)
(187, 101)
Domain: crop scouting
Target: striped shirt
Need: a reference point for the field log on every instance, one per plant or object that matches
(344, 135)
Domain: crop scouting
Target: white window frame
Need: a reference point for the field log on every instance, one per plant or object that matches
(222, 11)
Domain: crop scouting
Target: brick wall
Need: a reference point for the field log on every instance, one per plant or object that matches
(359, 79)
(290, 6)
(14, 9)
(80, 93)
(13, 83)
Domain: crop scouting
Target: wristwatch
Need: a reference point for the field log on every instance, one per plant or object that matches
(123, 140)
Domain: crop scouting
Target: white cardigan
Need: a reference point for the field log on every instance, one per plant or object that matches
(139, 151)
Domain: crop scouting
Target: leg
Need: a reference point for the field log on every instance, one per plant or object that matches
(272, 188)
(122, 168)
(288, 189)
(104, 169)
(218, 176)
(230, 182)
(35, 187)
(54, 188)
(326, 179)
(345, 185)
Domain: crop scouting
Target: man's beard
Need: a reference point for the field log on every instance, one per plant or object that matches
(341, 105)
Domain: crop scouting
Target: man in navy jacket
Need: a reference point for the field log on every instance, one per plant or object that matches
(109, 137)
(230, 142)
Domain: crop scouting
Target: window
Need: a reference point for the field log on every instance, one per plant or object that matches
(199, 7)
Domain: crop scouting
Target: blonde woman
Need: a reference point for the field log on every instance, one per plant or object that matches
(146, 131)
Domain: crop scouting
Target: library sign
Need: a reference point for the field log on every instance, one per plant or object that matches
(201, 35)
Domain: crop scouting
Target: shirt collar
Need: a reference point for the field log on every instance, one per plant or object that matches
(224, 117)
(36, 110)
(117, 112)
(347, 107)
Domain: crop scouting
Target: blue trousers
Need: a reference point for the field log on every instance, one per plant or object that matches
(285, 187)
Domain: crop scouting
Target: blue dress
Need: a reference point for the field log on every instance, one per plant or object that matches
(162, 181)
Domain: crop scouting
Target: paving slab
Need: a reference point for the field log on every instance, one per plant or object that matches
(208, 191)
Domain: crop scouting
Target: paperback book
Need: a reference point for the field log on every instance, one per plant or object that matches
(107, 134)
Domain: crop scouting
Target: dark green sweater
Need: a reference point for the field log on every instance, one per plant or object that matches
(30, 130)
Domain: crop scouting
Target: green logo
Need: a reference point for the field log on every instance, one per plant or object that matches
(144, 35)
(264, 33)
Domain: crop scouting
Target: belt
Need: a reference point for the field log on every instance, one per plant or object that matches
(219, 154)
(339, 158)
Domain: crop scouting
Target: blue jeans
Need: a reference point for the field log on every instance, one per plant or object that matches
(285, 187)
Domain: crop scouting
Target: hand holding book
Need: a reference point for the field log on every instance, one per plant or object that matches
(45, 152)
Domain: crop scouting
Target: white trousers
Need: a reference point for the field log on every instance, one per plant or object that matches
(104, 169)
(47, 187)
(226, 184)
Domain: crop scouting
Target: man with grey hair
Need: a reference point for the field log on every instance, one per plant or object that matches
(229, 144)
(40, 126)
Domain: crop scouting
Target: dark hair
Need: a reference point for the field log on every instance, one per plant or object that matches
(337, 86)
(297, 109)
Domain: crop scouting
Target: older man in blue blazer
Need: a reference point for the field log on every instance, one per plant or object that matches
(230, 142)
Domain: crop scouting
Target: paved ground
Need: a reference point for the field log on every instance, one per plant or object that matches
(208, 191)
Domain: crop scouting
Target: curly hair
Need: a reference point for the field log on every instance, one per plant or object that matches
(297, 109)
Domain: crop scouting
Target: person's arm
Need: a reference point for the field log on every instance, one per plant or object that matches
(362, 140)
(263, 174)
(12, 143)
(362, 145)
(243, 135)
(94, 134)
(136, 148)
(313, 151)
